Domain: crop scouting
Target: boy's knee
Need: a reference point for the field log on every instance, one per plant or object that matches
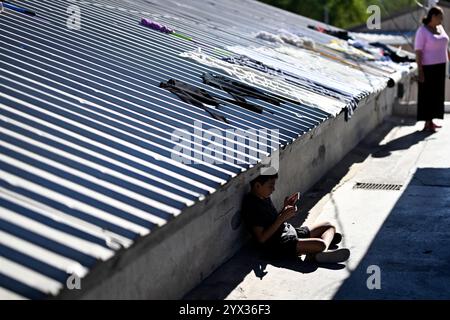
(311, 246)
(321, 245)
(329, 225)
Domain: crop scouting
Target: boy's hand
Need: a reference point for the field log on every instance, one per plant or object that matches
(287, 213)
(292, 200)
(286, 202)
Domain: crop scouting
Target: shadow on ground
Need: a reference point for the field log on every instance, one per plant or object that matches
(411, 248)
(249, 260)
(402, 143)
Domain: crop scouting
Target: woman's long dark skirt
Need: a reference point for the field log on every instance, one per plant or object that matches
(431, 99)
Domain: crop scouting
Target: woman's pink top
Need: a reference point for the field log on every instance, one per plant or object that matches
(433, 46)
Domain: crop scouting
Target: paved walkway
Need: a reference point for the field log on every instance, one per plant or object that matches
(402, 234)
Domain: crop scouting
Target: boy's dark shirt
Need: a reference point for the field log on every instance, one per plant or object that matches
(257, 212)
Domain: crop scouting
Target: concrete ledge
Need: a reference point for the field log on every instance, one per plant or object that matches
(409, 110)
(407, 106)
(172, 260)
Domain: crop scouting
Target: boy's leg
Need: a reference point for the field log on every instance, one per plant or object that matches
(315, 247)
(315, 251)
(310, 246)
(324, 231)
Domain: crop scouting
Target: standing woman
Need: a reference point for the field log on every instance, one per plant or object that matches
(432, 54)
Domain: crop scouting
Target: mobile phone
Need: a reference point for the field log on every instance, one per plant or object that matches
(294, 198)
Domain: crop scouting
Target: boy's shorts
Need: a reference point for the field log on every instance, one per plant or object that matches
(287, 245)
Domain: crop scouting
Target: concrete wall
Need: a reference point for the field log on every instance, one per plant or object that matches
(174, 259)
(412, 20)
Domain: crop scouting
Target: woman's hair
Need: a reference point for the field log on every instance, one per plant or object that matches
(434, 11)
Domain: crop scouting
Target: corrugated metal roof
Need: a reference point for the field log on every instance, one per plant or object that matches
(86, 133)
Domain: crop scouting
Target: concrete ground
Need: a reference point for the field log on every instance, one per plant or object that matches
(399, 240)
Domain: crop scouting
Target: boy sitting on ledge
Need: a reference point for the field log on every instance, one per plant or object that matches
(270, 229)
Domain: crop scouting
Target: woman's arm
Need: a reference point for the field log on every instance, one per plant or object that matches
(419, 57)
(262, 235)
(419, 47)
